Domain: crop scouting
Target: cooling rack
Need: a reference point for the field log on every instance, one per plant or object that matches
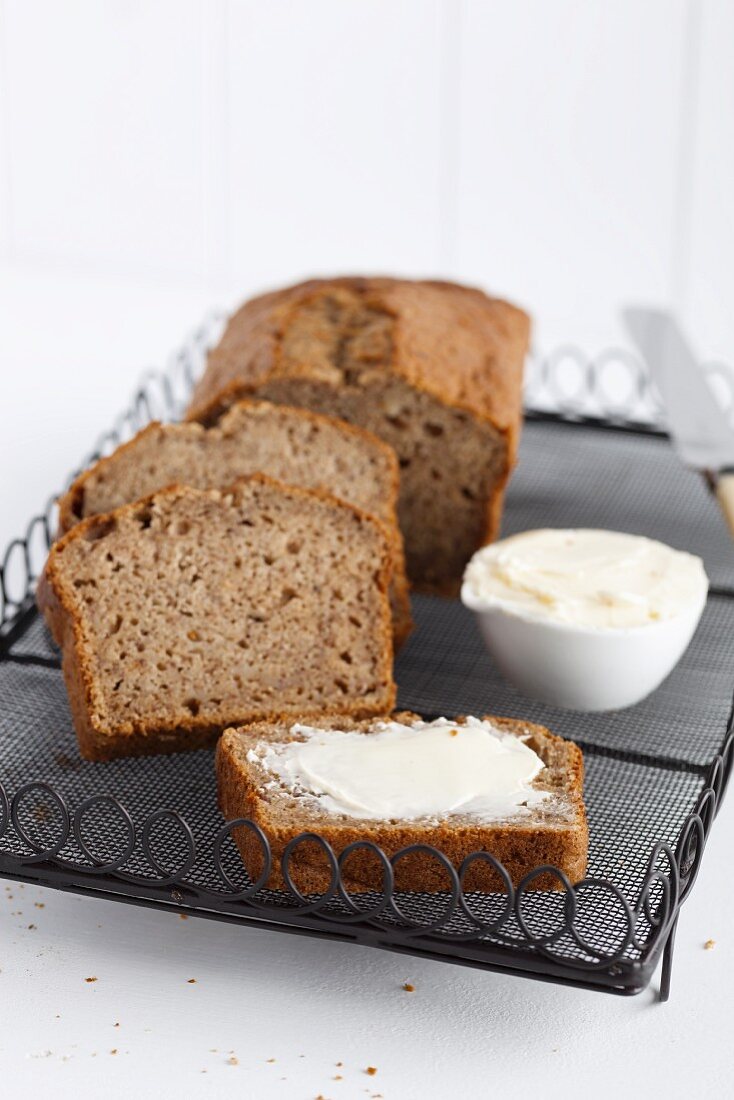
(147, 831)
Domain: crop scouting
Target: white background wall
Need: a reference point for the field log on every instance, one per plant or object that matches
(569, 153)
(159, 157)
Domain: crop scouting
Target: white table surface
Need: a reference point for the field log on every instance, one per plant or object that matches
(272, 1015)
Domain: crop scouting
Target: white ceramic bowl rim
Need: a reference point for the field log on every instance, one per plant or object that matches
(482, 606)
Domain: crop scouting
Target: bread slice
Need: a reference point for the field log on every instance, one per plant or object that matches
(192, 610)
(433, 368)
(292, 445)
(554, 832)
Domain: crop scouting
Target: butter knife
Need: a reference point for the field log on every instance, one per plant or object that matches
(698, 426)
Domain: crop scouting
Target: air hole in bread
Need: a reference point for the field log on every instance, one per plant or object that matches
(397, 422)
(193, 706)
(346, 657)
(144, 516)
(77, 504)
(116, 625)
(268, 559)
(287, 595)
(182, 527)
(100, 529)
(467, 493)
(433, 429)
(404, 463)
(293, 546)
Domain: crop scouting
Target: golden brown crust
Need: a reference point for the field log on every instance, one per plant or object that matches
(96, 740)
(448, 338)
(521, 848)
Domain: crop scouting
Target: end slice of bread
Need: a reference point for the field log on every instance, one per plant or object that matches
(554, 832)
(295, 446)
(192, 610)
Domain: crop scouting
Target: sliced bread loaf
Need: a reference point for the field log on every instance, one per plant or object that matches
(192, 610)
(433, 368)
(552, 830)
(295, 446)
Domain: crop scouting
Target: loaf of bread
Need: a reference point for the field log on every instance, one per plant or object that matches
(552, 832)
(433, 368)
(295, 446)
(192, 610)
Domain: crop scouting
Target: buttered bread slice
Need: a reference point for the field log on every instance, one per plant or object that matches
(495, 785)
(192, 610)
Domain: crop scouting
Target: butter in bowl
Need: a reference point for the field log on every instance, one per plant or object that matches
(585, 619)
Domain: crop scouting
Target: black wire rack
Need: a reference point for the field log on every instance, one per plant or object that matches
(147, 831)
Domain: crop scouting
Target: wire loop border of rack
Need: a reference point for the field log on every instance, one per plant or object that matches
(671, 870)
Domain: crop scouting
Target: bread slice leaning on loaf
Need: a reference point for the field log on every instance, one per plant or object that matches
(433, 368)
(295, 446)
(554, 832)
(192, 610)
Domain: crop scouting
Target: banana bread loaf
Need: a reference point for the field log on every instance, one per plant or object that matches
(433, 368)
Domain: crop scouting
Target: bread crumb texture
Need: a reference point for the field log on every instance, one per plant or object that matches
(193, 610)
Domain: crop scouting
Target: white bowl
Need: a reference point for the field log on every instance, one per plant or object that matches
(584, 668)
(585, 619)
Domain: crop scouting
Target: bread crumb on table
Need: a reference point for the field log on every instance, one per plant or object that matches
(90, 979)
(371, 1071)
(191, 981)
(709, 945)
(233, 1060)
(408, 987)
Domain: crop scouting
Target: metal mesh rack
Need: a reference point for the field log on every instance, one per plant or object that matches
(148, 831)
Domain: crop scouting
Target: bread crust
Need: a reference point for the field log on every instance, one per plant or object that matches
(521, 848)
(71, 504)
(479, 374)
(100, 743)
